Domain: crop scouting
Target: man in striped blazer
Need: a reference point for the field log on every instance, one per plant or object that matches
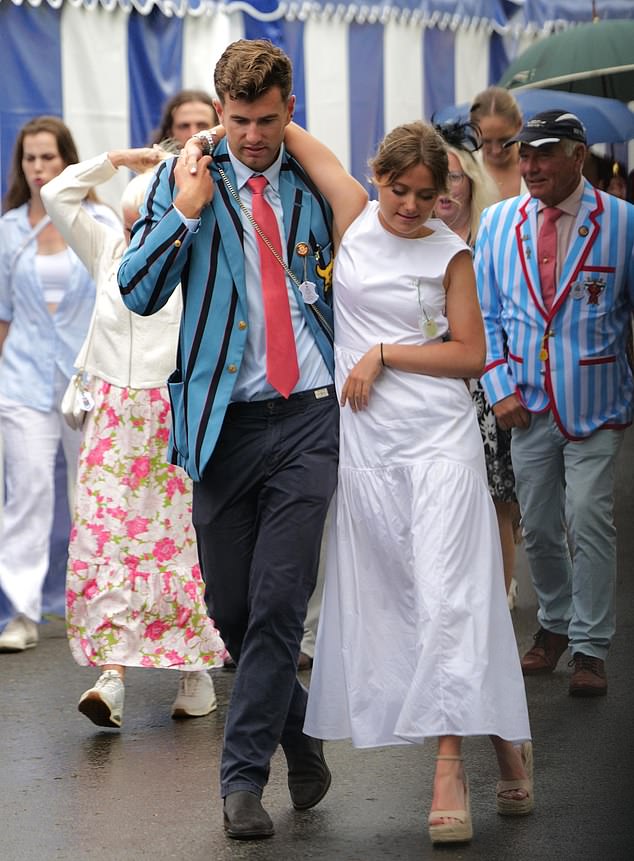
(555, 273)
(256, 428)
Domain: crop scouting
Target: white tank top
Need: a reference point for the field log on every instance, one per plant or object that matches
(54, 271)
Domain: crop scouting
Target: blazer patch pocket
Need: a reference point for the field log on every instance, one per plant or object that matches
(176, 389)
(595, 286)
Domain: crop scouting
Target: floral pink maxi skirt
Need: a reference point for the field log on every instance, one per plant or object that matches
(134, 593)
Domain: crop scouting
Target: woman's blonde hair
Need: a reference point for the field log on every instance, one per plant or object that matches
(134, 192)
(483, 190)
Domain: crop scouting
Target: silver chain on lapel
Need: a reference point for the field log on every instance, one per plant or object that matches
(269, 245)
(257, 228)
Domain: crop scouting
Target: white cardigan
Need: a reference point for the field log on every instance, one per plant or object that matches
(124, 349)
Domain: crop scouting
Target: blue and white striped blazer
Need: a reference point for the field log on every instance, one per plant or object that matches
(572, 359)
(209, 264)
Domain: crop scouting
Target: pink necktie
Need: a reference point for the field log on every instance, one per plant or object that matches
(547, 254)
(282, 370)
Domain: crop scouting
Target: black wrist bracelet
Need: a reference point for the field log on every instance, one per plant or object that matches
(382, 359)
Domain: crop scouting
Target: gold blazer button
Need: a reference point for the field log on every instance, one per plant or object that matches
(232, 368)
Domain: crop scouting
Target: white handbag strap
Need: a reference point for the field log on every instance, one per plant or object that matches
(33, 234)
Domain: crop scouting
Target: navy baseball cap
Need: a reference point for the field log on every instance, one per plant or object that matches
(550, 127)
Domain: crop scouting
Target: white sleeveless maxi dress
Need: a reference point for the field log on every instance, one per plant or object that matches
(415, 636)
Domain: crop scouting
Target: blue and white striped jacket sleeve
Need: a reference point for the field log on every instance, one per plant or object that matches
(151, 267)
(497, 379)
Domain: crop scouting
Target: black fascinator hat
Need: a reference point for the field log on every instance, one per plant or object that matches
(464, 136)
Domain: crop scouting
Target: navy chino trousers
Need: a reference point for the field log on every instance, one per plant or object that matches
(259, 513)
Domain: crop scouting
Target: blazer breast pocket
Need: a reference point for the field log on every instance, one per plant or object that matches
(595, 288)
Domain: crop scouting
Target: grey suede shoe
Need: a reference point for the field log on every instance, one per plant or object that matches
(245, 818)
(309, 777)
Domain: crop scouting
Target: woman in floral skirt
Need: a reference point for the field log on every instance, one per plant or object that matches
(134, 590)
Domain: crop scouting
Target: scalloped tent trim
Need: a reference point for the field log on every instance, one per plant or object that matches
(417, 13)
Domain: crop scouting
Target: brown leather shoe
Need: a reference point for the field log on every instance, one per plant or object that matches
(545, 653)
(588, 677)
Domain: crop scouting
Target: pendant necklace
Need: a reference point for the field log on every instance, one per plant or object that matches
(426, 324)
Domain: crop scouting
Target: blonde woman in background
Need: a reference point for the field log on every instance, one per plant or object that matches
(470, 191)
(134, 594)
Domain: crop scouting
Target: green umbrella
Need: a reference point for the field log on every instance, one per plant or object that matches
(596, 59)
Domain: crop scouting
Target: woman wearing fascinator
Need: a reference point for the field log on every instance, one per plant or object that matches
(470, 191)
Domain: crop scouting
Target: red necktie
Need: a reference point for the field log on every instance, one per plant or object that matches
(282, 370)
(547, 254)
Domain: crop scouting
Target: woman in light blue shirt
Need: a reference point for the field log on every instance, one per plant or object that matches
(46, 301)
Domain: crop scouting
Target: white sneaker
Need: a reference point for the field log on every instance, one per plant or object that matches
(196, 695)
(19, 634)
(103, 704)
(513, 594)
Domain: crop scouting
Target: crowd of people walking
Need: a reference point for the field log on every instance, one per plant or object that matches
(260, 345)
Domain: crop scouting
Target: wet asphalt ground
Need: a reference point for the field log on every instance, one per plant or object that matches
(70, 791)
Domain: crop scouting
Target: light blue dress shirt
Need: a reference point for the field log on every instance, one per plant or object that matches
(251, 384)
(40, 346)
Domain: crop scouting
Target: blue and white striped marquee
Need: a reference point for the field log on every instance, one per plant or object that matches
(107, 66)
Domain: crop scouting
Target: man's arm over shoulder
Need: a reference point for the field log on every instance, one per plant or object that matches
(151, 267)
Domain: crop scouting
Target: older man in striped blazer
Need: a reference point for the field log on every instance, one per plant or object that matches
(555, 273)
(255, 416)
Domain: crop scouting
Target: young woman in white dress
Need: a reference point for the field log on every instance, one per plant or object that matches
(414, 558)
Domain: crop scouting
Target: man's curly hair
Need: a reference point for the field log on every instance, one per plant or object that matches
(249, 68)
